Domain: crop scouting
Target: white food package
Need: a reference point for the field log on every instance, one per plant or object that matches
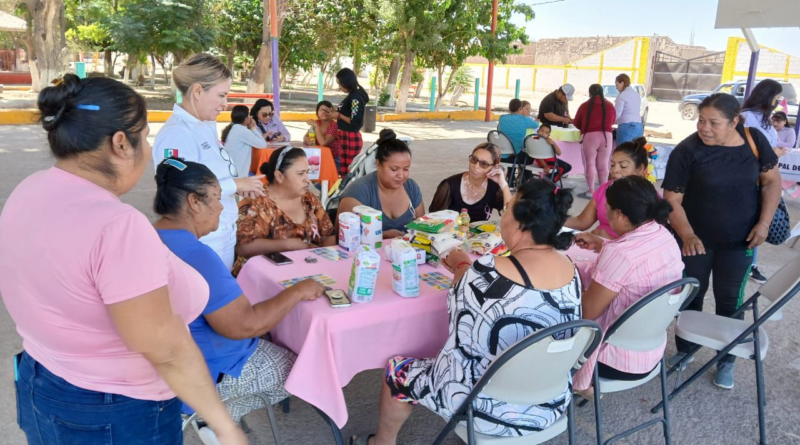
(371, 226)
(443, 214)
(364, 274)
(349, 231)
(405, 275)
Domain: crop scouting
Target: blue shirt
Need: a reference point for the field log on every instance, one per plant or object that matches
(515, 126)
(222, 354)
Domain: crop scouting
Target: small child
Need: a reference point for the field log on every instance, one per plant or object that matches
(548, 164)
(239, 138)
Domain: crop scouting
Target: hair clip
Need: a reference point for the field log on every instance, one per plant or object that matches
(175, 163)
(88, 107)
(555, 192)
(280, 158)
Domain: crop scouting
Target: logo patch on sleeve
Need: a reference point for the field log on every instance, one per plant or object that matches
(170, 153)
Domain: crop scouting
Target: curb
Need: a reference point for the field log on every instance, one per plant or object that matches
(28, 116)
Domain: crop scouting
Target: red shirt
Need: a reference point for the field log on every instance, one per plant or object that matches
(336, 145)
(596, 119)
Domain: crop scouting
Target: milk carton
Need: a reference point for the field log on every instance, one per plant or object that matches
(405, 277)
(349, 231)
(364, 274)
(371, 226)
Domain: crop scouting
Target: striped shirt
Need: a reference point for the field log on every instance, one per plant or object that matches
(633, 265)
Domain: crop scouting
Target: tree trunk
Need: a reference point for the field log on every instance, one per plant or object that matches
(376, 92)
(420, 86)
(153, 73)
(444, 87)
(260, 79)
(108, 65)
(30, 49)
(405, 82)
(356, 56)
(127, 76)
(47, 32)
(391, 82)
(231, 55)
(456, 95)
(163, 64)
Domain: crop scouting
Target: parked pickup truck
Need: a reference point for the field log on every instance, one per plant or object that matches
(689, 104)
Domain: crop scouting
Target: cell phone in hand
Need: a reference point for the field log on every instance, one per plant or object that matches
(337, 298)
(277, 258)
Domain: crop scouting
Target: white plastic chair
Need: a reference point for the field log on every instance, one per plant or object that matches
(503, 142)
(739, 337)
(192, 420)
(534, 371)
(643, 327)
(537, 148)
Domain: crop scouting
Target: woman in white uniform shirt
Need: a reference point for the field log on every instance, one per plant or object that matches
(191, 133)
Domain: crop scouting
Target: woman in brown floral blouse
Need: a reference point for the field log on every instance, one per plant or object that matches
(289, 217)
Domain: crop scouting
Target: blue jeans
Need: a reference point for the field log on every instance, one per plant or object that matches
(52, 411)
(629, 131)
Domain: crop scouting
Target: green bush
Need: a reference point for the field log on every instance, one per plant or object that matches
(383, 99)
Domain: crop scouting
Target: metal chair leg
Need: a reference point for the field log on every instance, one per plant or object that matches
(274, 424)
(571, 420)
(470, 426)
(597, 415)
(285, 405)
(665, 400)
(337, 433)
(446, 430)
(691, 380)
(762, 402)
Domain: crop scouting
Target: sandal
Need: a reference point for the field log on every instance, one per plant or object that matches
(362, 440)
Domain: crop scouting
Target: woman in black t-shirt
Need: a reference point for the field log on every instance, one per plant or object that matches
(480, 190)
(719, 214)
(350, 117)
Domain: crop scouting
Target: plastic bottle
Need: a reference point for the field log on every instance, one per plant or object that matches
(463, 224)
(312, 134)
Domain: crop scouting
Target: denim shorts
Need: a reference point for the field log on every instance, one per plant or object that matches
(52, 411)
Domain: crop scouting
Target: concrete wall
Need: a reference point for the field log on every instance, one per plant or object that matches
(772, 63)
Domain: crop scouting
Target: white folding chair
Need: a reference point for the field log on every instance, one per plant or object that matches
(643, 327)
(534, 371)
(537, 148)
(192, 420)
(503, 142)
(738, 337)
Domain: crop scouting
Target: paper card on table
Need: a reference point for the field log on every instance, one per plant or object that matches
(322, 279)
(436, 280)
(330, 253)
(314, 156)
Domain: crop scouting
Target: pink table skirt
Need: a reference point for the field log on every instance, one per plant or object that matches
(572, 153)
(333, 345)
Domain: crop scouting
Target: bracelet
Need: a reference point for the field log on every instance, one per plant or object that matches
(463, 263)
(765, 224)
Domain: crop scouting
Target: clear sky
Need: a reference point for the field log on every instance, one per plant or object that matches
(671, 18)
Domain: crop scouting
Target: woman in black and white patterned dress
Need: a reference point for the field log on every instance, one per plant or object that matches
(495, 303)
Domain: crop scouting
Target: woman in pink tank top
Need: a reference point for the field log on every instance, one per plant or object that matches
(628, 159)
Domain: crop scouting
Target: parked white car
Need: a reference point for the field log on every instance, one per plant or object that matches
(610, 92)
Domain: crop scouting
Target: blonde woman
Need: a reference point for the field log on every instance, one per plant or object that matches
(191, 133)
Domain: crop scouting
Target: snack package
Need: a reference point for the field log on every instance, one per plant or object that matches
(421, 255)
(364, 274)
(429, 225)
(444, 246)
(483, 226)
(371, 226)
(443, 214)
(484, 243)
(405, 275)
(429, 238)
(433, 260)
(349, 231)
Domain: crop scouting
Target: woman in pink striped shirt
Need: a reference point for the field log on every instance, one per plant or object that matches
(645, 257)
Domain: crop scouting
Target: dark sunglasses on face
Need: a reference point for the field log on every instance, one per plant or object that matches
(482, 164)
(268, 114)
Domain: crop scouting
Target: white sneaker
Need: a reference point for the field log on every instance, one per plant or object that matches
(206, 434)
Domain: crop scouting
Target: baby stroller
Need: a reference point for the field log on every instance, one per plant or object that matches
(363, 164)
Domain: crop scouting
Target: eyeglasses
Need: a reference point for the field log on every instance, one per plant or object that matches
(268, 114)
(226, 157)
(473, 160)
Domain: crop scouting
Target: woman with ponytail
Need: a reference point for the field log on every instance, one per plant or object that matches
(594, 119)
(350, 117)
(629, 159)
(492, 305)
(645, 257)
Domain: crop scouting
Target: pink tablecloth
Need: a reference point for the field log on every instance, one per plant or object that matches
(571, 153)
(333, 345)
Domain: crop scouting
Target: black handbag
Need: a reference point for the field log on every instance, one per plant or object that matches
(780, 228)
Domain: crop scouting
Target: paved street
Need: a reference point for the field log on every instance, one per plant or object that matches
(703, 415)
